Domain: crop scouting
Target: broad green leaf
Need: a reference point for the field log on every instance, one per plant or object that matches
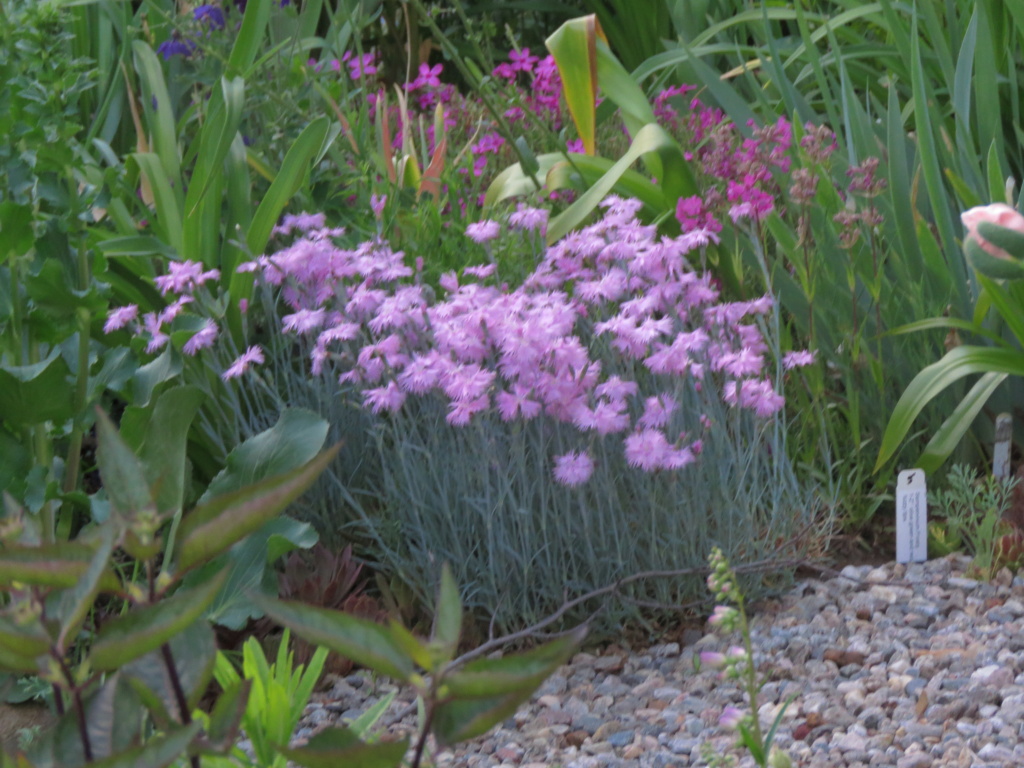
(287, 182)
(447, 615)
(944, 323)
(362, 641)
(168, 209)
(154, 373)
(294, 440)
(33, 394)
(574, 48)
(651, 138)
(929, 157)
(16, 235)
(620, 87)
(957, 363)
(1006, 305)
(134, 245)
(156, 104)
(124, 477)
(161, 443)
(194, 650)
(249, 567)
(996, 178)
(334, 747)
(959, 421)
(218, 524)
(250, 37)
(145, 629)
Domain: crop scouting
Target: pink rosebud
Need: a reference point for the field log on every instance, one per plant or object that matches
(999, 214)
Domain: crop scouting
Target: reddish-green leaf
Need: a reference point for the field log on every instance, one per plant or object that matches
(143, 630)
(216, 526)
(362, 641)
(339, 746)
(158, 752)
(52, 565)
(485, 692)
(491, 677)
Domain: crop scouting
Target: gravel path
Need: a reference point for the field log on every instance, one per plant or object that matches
(906, 666)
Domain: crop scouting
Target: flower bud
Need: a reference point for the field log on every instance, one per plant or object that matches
(712, 659)
(779, 759)
(731, 717)
(999, 214)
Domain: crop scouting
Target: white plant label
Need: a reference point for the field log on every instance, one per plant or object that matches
(911, 517)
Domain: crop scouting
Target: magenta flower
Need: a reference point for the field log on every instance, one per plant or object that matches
(792, 360)
(483, 231)
(201, 339)
(120, 317)
(529, 219)
(377, 203)
(252, 356)
(648, 449)
(388, 398)
(573, 469)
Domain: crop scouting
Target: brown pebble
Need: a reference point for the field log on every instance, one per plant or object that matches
(575, 738)
(844, 657)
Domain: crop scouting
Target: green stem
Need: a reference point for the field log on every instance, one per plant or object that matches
(750, 673)
(73, 461)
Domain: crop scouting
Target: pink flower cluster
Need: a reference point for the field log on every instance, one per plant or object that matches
(602, 335)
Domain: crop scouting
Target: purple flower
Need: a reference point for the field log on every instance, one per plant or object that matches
(647, 449)
(657, 411)
(389, 398)
(573, 468)
(483, 231)
(211, 14)
(792, 360)
(175, 46)
(304, 321)
(201, 339)
(252, 356)
(529, 219)
(120, 317)
(184, 277)
(377, 203)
